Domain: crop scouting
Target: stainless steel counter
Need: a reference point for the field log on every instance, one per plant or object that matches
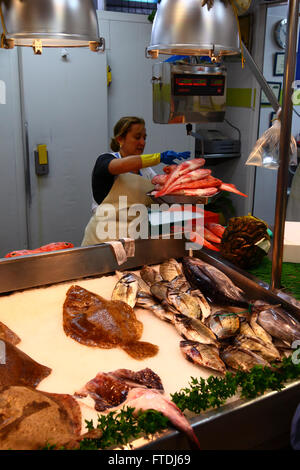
(262, 423)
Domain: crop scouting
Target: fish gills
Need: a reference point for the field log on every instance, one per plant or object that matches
(126, 290)
(150, 275)
(224, 324)
(185, 304)
(203, 355)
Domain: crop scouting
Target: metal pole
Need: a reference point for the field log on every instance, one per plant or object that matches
(260, 78)
(285, 138)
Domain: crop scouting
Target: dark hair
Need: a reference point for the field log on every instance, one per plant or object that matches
(122, 127)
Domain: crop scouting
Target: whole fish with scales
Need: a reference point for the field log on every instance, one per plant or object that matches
(204, 355)
(213, 283)
(238, 358)
(257, 346)
(194, 330)
(126, 289)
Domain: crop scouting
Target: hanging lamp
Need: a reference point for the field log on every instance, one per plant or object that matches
(185, 27)
(49, 23)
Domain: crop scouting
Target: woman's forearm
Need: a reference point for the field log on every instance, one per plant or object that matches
(124, 165)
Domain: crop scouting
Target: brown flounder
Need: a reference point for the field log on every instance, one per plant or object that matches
(17, 368)
(94, 321)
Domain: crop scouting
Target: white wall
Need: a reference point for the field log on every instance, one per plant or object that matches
(13, 230)
(266, 180)
(130, 93)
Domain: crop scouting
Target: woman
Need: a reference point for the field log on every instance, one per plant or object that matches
(121, 175)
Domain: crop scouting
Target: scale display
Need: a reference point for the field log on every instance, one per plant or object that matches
(198, 85)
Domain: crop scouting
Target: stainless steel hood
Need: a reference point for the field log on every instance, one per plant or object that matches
(55, 23)
(186, 27)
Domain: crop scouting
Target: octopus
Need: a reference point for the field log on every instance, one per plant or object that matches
(94, 321)
(111, 389)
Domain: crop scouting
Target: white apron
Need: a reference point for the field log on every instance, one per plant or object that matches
(135, 188)
(147, 173)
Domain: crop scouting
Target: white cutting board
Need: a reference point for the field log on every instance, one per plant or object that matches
(291, 248)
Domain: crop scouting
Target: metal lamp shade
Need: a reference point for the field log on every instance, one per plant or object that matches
(185, 27)
(55, 22)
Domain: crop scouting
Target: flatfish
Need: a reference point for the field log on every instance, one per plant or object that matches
(150, 275)
(94, 321)
(257, 346)
(8, 335)
(18, 368)
(32, 419)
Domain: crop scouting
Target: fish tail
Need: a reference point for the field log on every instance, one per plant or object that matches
(231, 188)
(217, 229)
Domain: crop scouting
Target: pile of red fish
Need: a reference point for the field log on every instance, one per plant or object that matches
(190, 179)
(212, 235)
(42, 249)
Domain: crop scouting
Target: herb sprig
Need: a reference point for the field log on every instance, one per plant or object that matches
(120, 428)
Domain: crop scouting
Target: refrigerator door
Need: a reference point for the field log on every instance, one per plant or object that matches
(65, 109)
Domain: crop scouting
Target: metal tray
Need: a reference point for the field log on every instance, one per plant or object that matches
(252, 424)
(177, 199)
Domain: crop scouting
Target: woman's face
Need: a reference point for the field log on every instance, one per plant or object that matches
(134, 142)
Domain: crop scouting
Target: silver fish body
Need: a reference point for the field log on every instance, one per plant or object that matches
(148, 302)
(204, 355)
(150, 275)
(126, 289)
(160, 290)
(212, 282)
(245, 329)
(204, 305)
(180, 283)
(194, 330)
(184, 303)
(170, 269)
(278, 326)
(257, 346)
(243, 359)
(259, 330)
(224, 324)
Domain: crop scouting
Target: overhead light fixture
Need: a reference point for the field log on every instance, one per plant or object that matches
(49, 23)
(185, 27)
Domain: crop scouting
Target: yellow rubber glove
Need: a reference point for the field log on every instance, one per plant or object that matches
(150, 159)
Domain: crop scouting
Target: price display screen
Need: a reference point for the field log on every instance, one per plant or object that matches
(199, 85)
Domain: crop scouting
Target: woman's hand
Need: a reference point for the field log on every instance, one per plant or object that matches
(169, 156)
